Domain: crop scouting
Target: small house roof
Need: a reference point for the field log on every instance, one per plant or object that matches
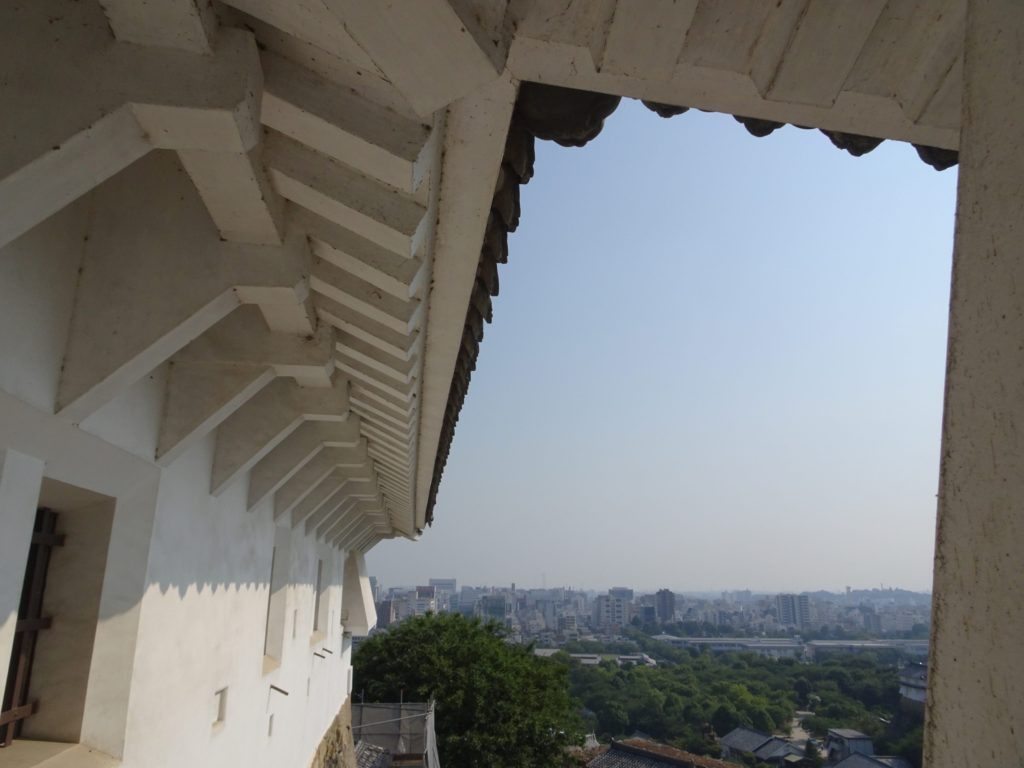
(847, 733)
(774, 747)
(744, 739)
(641, 753)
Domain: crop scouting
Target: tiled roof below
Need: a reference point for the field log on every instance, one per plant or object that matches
(858, 760)
(640, 753)
(744, 739)
(775, 748)
(370, 756)
(847, 733)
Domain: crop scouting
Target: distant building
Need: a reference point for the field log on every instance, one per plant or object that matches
(872, 622)
(738, 596)
(640, 659)
(495, 607)
(858, 760)
(425, 601)
(793, 610)
(404, 606)
(771, 647)
(468, 599)
(641, 753)
(899, 621)
(385, 613)
(778, 751)
(742, 741)
(818, 648)
(745, 743)
(446, 592)
(567, 625)
(914, 687)
(611, 611)
(624, 592)
(843, 742)
(665, 605)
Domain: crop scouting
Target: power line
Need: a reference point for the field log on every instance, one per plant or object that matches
(395, 720)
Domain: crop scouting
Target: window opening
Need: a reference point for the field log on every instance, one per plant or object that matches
(277, 616)
(270, 602)
(316, 595)
(221, 702)
(16, 706)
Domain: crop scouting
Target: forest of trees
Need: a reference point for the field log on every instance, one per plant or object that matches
(690, 694)
(499, 705)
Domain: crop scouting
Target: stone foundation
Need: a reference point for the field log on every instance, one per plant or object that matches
(337, 748)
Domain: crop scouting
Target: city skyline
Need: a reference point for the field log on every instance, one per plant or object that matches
(640, 590)
(558, 615)
(715, 360)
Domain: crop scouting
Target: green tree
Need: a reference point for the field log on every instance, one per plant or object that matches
(725, 718)
(813, 756)
(803, 689)
(497, 705)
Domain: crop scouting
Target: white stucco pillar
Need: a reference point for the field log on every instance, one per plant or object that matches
(20, 479)
(359, 615)
(125, 580)
(976, 682)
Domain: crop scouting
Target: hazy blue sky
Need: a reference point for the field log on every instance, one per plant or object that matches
(716, 362)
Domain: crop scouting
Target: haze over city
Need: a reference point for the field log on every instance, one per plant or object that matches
(716, 363)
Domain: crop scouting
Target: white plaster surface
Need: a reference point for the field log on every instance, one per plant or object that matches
(132, 419)
(976, 680)
(208, 574)
(38, 275)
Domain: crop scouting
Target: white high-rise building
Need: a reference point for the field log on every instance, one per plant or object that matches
(793, 610)
(611, 612)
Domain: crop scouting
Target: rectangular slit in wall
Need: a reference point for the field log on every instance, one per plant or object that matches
(316, 594)
(221, 706)
(270, 603)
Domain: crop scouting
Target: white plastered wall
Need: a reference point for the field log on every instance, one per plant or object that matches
(38, 272)
(209, 569)
(184, 598)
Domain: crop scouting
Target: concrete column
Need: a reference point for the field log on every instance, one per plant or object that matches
(20, 479)
(358, 613)
(976, 682)
(107, 699)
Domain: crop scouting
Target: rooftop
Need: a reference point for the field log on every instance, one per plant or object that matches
(858, 760)
(744, 739)
(640, 753)
(847, 733)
